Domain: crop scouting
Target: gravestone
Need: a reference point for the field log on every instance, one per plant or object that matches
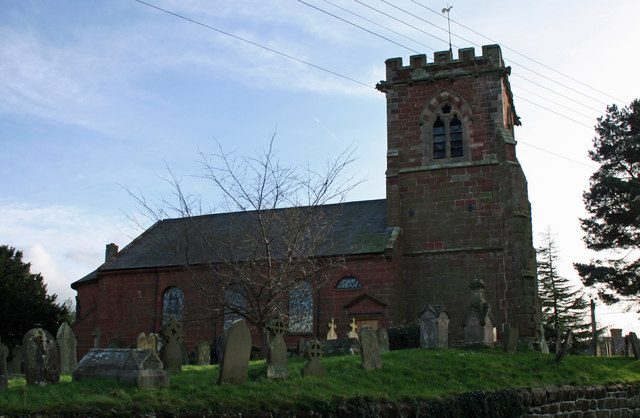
(567, 344)
(302, 345)
(236, 344)
(15, 364)
(67, 349)
(383, 340)
(144, 342)
(542, 344)
(97, 334)
(277, 355)
(332, 335)
(478, 324)
(617, 342)
(154, 341)
(434, 327)
(354, 329)
(4, 374)
(635, 344)
(369, 349)
(140, 367)
(40, 357)
(511, 340)
(314, 353)
(171, 352)
(203, 354)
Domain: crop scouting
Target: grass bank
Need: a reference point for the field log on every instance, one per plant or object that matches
(406, 376)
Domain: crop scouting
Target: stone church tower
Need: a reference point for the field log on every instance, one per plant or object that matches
(456, 189)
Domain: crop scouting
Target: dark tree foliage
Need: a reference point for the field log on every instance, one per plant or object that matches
(613, 203)
(24, 302)
(563, 306)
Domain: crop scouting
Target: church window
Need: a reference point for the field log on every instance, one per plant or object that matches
(301, 308)
(235, 304)
(446, 134)
(172, 304)
(349, 282)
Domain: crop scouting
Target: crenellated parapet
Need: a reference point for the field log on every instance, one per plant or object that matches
(444, 67)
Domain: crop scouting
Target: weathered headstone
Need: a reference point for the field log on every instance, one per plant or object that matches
(67, 349)
(542, 344)
(567, 344)
(203, 353)
(302, 345)
(142, 342)
(383, 340)
(478, 324)
(15, 364)
(171, 352)
(617, 342)
(277, 356)
(97, 334)
(4, 374)
(434, 327)
(332, 335)
(369, 349)
(40, 357)
(635, 344)
(155, 341)
(353, 333)
(511, 340)
(140, 367)
(314, 354)
(236, 353)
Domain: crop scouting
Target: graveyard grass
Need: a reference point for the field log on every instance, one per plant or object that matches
(406, 376)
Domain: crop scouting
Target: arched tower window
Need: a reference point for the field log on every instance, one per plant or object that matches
(172, 304)
(301, 308)
(446, 134)
(349, 282)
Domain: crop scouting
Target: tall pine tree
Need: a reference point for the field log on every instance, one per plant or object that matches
(563, 306)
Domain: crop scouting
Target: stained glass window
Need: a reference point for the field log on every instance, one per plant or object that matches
(349, 282)
(301, 309)
(172, 304)
(235, 302)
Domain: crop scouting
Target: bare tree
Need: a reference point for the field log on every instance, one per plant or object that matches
(273, 240)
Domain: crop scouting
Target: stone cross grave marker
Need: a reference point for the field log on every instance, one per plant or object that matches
(369, 349)
(171, 352)
(4, 375)
(383, 340)
(67, 344)
(332, 335)
(40, 357)
(314, 354)
(236, 353)
(633, 339)
(203, 353)
(354, 329)
(277, 356)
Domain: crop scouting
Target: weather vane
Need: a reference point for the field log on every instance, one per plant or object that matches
(447, 10)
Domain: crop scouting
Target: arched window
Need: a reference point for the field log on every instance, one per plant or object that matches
(446, 134)
(235, 304)
(172, 304)
(301, 309)
(348, 282)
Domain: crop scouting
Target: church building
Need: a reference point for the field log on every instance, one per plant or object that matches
(456, 212)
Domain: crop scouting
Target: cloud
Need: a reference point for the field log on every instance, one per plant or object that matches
(63, 243)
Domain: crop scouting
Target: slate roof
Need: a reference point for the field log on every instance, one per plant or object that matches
(356, 228)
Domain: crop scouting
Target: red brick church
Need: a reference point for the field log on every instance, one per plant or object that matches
(456, 210)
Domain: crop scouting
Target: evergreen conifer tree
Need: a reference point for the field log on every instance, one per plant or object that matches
(563, 306)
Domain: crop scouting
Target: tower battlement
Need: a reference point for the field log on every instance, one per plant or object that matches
(444, 66)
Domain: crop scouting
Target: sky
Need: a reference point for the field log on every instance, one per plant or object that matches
(98, 98)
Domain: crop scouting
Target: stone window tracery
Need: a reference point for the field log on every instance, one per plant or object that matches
(301, 309)
(349, 282)
(447, 133)
(172, 304)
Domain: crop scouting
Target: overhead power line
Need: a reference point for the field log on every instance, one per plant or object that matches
(253, 43)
